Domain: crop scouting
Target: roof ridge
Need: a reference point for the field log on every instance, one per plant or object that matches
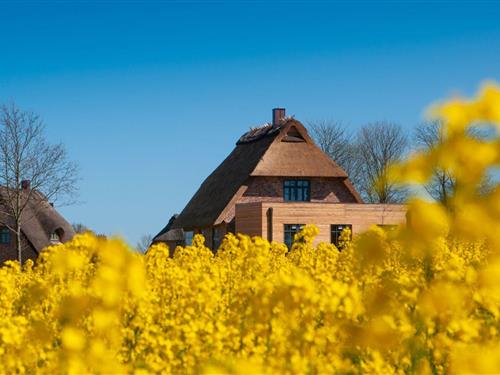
(257, 133)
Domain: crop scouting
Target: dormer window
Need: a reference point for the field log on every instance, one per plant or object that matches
(297, 190)
(56, 235)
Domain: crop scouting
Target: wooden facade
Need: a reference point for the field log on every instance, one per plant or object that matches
(267, 219)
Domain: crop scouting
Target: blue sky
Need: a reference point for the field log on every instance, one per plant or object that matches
(150, 98)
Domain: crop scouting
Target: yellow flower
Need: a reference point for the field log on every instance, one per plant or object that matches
(424, 298)
(73, 339)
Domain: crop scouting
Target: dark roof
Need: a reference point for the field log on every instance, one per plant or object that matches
(40, 220)
(285, 150)
(257, 133)
(168, 233)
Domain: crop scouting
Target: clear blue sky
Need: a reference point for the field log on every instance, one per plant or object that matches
(150, 98)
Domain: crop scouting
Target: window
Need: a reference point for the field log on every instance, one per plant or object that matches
(57, 235)
(188, 238)
(290, 230)
(4, 236)
(337, 231)
(296, 190)
(293, 135)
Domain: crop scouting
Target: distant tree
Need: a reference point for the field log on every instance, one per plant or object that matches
(378, 145)
(336, 141)
(32, 171)
(144, 243)
(429, 135)
(80, 228)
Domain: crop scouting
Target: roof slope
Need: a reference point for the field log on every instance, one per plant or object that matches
(168, 233)
(286, 150)
(40, 221)
(219, 188)
(288, 156)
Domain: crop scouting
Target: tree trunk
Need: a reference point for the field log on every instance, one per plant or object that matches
(18, 242)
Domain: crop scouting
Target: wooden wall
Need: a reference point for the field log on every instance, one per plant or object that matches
(251, 218)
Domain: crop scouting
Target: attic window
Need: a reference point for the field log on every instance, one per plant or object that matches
(293, 135)
(56, 235)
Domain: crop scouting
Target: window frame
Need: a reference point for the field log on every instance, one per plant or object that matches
(5, 236)
(295, 187)
(291, 232)
(335, 233)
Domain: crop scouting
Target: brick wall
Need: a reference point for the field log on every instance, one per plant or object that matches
(270, 189)
(9, 251)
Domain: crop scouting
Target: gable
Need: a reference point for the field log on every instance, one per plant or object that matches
(294, 154)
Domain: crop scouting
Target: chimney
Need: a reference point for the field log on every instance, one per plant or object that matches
(25, 184)
(278, 116)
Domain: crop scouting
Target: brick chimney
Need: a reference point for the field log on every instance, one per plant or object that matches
(278, 116)
(25, 184)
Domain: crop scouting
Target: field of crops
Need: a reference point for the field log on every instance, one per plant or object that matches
(421, 299)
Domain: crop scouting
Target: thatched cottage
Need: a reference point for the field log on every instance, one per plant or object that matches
(275, 181)
(42, 226)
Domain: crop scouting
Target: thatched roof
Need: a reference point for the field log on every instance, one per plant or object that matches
(40, 220)
(168, 233)
(284, 150)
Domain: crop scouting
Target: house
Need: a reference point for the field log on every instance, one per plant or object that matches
(42, 226)
(173, 237)
(275, 181)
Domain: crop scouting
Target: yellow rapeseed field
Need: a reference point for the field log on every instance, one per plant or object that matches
(421, 299)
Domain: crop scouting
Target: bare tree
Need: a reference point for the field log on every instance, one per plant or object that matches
(337, 142)
(442, 184)
(32, 171)
(80, 228)
(378, 145)
(144, 243)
